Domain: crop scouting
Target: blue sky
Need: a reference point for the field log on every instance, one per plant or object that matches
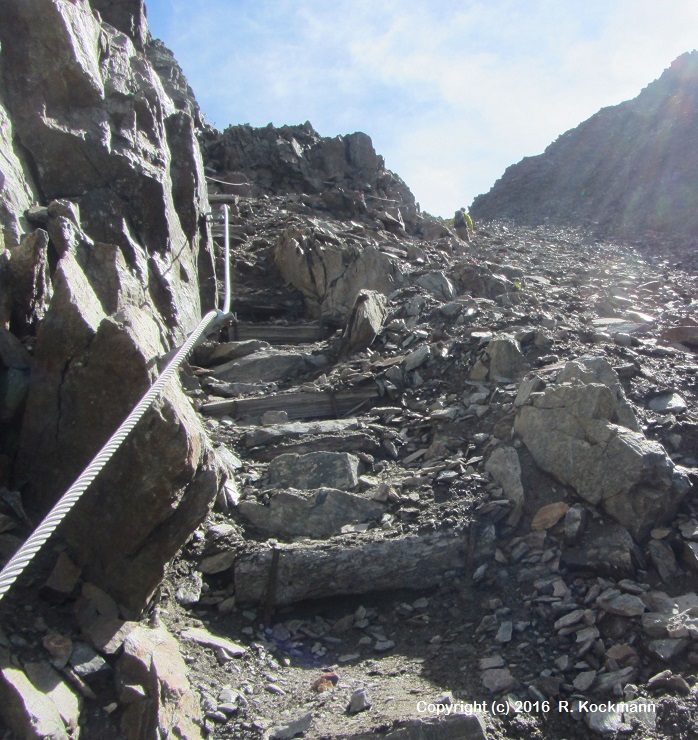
(450, 92)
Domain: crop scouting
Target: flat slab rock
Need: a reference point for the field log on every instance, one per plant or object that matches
(315, 470)
(317, 514)
(264, 365)
(314, 571)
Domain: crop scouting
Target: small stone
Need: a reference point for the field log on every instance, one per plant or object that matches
(587, 634)
(417, 358)
(548, 516)
(671, 403)
(584, 680)
(273, 688)
(296, 727)
(59, 646)
(274, 417)
(622, 654)
(667, 649)
(498, 679)
(504, 632)
(280, 633)
(382, 646)
(359, 701)
(203, 637)
(326, 682)
(86, 661)
(63, 578)
(659, 533)
(227, 605)
(493, 661)
(575, 521)
(606, 722)
(189, 590)
(217, 563)
(663, 559)
(569, 619)
(625, 605)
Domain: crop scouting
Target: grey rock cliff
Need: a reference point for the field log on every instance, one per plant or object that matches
(102, 142)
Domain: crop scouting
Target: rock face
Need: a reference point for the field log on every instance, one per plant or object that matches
(295, 159)
(104, 140)
(628, 169)
(570, 431)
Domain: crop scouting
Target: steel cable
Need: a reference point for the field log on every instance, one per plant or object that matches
(19, 561)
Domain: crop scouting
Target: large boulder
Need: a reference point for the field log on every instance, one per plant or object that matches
(569, 430)
(330, 273)
(365, 321)
(599, 370)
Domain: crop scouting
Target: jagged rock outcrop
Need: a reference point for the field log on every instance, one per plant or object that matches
(101, 142)
(628, 170)
(345, 171)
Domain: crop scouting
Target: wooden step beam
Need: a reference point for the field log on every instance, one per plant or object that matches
(311, 405)
(353, 566)
(278, 333)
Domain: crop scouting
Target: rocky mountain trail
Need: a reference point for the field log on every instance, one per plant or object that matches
(413, 487)
(409, 471)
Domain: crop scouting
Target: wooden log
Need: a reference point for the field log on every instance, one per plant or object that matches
(323, 404)
(348, 442)
(223, 198)
(337, 568)
(278, 333)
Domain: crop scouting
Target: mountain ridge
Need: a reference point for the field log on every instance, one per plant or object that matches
(628, 171)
